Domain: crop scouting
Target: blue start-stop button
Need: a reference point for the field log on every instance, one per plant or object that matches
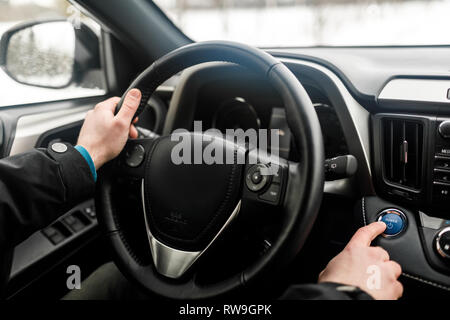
(395, 221)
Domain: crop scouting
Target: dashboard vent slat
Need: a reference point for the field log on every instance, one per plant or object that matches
(403, 144)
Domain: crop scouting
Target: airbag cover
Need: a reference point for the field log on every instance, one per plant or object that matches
(187, 204)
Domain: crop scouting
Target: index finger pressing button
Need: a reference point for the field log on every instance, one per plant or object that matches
(395, 221)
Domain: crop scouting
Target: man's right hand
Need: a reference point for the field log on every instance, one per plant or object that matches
(357, 262)
(104, 134)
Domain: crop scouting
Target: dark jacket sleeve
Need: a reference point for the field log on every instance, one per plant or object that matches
(325, 291)
(37, 187)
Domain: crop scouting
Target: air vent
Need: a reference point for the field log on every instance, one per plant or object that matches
(403, 145)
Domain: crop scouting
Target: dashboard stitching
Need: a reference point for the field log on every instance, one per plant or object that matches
(431, 283)
(364, 211)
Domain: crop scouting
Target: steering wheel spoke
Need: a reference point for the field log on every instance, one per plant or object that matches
(172, 262)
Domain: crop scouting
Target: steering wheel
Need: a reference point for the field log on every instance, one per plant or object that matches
(186, 207)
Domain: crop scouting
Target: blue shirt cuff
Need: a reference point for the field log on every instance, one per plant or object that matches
(88, 159)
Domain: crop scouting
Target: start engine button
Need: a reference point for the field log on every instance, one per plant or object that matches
(395, 221)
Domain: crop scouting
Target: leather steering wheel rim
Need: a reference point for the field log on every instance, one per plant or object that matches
(303, 192)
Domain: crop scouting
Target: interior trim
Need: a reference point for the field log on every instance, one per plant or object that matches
(29, 128)
(431, 283)
(171, 262)
(423, 90)
(359, 115)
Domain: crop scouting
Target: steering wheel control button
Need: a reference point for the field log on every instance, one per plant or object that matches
(135, 155)
(395, 221)
(443, 243)
(272, 194)
(276, 178)
(59, 147)
(254, 179)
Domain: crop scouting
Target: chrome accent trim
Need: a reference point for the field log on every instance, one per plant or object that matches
(425, 90)
(438, 246)
(359, 115)
(430, 222)
(29, 128)
(170, 262)
(163, 88)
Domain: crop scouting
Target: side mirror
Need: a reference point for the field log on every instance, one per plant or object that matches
(49, 54)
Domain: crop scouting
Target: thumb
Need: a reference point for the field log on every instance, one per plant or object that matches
(130, 105)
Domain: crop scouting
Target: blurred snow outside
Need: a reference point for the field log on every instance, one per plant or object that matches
(12, 93)
(293, 23)
(264, 23)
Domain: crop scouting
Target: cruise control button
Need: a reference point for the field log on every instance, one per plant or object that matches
(395, 221)
(272, 194)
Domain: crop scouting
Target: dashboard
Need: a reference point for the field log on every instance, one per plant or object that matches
(369, 102)
(397, 131)
(237, 99)
(256, 112)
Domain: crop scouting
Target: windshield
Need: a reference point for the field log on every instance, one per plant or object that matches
(287, 23)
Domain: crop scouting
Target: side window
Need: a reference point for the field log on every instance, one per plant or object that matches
(48, 51)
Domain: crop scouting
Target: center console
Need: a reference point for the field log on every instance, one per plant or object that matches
(413, 241)
(411, 158)
(412, 161)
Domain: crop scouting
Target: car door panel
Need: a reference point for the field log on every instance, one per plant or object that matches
(25, 128)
